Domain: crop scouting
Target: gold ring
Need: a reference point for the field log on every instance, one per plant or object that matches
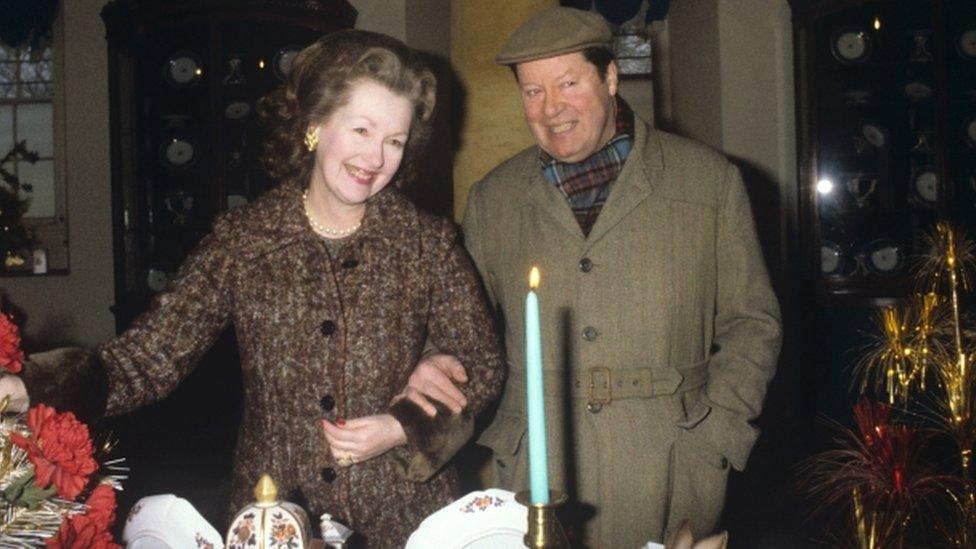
(345, 461)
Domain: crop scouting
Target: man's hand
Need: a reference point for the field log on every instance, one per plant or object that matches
(435, 378)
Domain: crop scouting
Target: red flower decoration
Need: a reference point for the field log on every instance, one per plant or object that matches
(91, 528)
(75, 535)
(101, 506)
(11, 355)
(60, 450)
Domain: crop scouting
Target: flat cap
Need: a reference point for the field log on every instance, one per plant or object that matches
(553, 32)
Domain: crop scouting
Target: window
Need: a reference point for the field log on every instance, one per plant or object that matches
(32, 97)
(27, 114)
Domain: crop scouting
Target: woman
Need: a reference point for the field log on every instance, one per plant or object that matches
(333, 282)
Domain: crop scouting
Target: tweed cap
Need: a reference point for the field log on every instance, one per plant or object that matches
(553, 32)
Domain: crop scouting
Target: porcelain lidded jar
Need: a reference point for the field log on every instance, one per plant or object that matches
(269, 523)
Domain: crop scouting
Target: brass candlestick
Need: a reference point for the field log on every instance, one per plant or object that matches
(544, 528)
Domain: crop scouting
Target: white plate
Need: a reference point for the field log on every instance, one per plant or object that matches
(851, 46)
(925, 184)
(969, 131)
(183, 69)
(237, 110)
(178, 153)
(831, 258)
(283, 59)
(885, 257)
(874, 134)
(917, 91)
(966, 44)
(488, 519)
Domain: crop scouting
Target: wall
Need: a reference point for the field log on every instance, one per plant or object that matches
(492, 127)
(420, 23)
(728, 82)
(694, 96)
(75, 308)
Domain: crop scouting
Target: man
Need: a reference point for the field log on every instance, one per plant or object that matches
(660, 329)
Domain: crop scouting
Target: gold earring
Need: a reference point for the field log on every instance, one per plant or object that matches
(311, 140)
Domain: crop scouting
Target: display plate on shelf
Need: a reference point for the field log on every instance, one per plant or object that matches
(851, 46)
(237, 110)
(156, 279)
(183, 69)
(884, 257)
(917, 90)
(969, 130)
(966, 44)
(875, 134)
(281, 63)
(178, 153)
(831, 258)
(925, 185)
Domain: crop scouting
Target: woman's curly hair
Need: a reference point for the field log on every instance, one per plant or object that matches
(319, 82)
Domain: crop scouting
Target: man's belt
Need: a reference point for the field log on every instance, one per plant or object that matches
(599, 385)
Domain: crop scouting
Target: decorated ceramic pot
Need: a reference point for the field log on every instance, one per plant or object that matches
(268, 523)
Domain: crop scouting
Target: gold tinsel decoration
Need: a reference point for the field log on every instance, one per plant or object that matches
(926, 340)
(919, 355)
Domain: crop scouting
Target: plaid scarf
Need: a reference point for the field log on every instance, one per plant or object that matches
(587, 183)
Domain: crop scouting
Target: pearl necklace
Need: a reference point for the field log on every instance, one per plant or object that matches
(322, 229)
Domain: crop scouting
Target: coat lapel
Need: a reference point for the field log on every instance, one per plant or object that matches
(633, 186)
(549, 200)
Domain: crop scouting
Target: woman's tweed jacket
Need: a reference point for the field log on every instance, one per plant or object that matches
(352, 327)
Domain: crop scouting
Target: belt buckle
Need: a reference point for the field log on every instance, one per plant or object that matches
(600, 380)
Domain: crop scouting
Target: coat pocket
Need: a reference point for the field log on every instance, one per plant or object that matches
(693, 402)
(695, 416)
(697, 410)
(504, 436)
(699, 476)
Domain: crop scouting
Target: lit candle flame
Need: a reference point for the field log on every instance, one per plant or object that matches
(877, 23)
(534, 278)
(261, 63)
(199, 72)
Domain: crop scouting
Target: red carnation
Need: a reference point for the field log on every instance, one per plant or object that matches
(91, 528)
(60, 450)
(75, 534)
(11, 355)
(101, 506)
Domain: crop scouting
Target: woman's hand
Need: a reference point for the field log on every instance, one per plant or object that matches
(13, 386)
(363, 438)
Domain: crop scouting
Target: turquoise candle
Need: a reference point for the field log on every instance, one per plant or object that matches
(538, 456)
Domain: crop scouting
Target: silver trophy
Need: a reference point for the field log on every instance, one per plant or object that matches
(179, 205)
(861, 187)
(921, 54)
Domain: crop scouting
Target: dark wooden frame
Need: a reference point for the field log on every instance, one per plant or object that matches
(128, 22)
(806, 14)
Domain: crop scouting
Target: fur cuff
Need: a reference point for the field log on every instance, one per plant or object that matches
(70, 378)
(431, 441)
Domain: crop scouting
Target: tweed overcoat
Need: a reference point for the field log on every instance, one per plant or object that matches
(660, 333)
(350, 326)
